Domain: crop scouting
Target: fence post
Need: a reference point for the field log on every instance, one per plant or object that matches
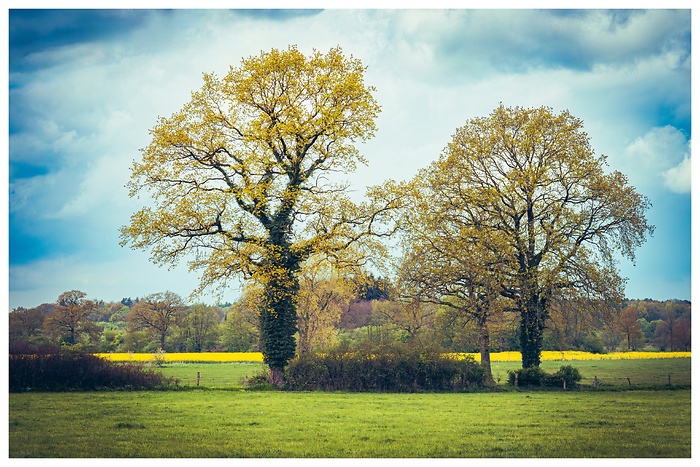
(595, 381)
(198, 378)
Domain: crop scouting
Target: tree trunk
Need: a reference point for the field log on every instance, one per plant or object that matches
(278, 316)
(532, 316)
(276, 376)
(484, 341)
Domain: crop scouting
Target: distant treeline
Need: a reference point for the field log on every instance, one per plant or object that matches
(162, 321)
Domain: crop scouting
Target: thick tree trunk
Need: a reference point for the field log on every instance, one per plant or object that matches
(532, 316)
(278, 316)
(484, 342)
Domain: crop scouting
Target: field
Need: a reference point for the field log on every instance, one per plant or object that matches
(642, 417)
(610, 373)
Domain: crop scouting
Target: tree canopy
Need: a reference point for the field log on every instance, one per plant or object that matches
(242, 179)
(519, 203)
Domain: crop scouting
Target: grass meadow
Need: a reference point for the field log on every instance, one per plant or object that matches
(639, 418)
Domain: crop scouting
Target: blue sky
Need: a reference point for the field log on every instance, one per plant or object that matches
(86, 86)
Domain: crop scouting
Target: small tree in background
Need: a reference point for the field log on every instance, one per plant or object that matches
(157, 314)
(629, 326)
(68, 322)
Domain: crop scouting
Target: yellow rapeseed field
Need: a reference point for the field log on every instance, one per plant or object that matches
(213, 357)
(575, 355)
(224, 357)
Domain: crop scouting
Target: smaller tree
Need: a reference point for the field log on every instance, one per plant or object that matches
(68, 321)
(681, 334)
(324, 293)
(199, 327)
(157, 314)
(411, 316)
(25, 324)
(239, 331)
(628, 325)
(238, 334)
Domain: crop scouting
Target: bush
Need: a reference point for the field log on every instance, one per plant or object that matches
(70, 370)
(259, 382)
(566, 373)
(535, 376)
(388, 367)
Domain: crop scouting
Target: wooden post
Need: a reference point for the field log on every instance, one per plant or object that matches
(595, 381)
(198, 378)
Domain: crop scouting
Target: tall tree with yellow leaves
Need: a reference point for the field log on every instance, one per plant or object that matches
(529, 182)
(242, 179)
(519, 205)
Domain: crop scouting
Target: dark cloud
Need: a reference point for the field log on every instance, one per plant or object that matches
(523, 40)
(34, 31)
(21, 169)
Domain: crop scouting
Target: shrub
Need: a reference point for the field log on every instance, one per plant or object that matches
(532, 376)
(566, 373)
(70, 370)
(259, 381)
(535, 376)
(388, 367)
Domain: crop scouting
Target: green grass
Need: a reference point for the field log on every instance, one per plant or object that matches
(614, 373)
(610, 373)
(221, 420)
(211, 375)
(236, 423)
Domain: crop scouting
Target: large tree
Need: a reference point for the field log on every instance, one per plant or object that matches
(242, 179)
(527, 180)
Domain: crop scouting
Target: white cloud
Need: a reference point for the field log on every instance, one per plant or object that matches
(100, 191)
(659, 157)
(678, 178)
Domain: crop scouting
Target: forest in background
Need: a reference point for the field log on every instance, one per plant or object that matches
(334, 312)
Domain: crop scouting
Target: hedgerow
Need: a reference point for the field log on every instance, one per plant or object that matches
(384, 368)
(535, 376)
(70, 370)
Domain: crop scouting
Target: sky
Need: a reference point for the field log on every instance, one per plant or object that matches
(85, 87)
